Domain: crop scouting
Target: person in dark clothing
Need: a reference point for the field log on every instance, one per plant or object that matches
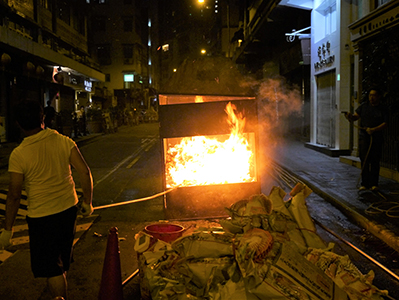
(82, 120)
(75, 123)
(373, 117)
(49, 115)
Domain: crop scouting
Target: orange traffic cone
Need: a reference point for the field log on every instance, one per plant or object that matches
(111, 280)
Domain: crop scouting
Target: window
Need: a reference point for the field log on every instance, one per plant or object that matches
(330, 19)
(128, 54)
(326, 19)
(128, 24)
(138, 27)
(165, 47)
(46, 4)
(128, 80)
(79, 23)
(104, 54)
(378, 3)
(128, 77)
(63, 12)
(107, 77)
(99, 23)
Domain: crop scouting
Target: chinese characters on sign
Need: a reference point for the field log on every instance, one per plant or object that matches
(325, 57)
(88, 85)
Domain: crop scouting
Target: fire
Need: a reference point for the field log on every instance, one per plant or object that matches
(205, 160)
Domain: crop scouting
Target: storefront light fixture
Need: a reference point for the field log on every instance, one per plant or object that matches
(165, 47)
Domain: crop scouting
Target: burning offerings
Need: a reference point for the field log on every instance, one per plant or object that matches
(205, 160)
(267, 249)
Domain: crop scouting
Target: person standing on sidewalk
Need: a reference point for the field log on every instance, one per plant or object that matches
(82, 121)
(49, 115)
(42, 163)
(373, 117)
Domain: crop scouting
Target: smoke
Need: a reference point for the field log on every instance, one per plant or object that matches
(279, 106)
(279, 115)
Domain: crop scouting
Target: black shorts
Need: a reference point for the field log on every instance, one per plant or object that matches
(51, 241)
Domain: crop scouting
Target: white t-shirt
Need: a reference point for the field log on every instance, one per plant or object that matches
(44, 160)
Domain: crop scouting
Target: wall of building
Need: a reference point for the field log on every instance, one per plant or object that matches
(332, 59)
(114, 35)
(325, 74)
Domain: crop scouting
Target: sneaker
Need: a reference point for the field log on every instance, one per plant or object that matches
(374, 188)
(362, 188)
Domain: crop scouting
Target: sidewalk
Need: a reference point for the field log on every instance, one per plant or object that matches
(337, 183)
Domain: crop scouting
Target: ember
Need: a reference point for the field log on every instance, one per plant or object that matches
(205, 160)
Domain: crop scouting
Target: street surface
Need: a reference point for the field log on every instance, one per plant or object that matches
(126, 165)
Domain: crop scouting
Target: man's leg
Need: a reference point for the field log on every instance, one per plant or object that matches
(375, 157)
(364, 144)
(58, 286)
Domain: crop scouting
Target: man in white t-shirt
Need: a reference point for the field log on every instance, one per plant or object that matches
(42, 163)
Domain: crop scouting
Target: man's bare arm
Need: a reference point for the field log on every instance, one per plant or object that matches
(13, 199)
(86, 180)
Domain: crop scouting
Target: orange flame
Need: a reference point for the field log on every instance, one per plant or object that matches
(221, 159)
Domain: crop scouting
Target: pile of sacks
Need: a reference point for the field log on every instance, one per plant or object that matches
(267, 249)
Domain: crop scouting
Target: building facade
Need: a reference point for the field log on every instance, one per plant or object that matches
(353, 45)
(123, 38)
(353, 49)
(44, 56)
(374, 38)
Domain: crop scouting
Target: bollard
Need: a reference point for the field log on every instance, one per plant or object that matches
(111, 280)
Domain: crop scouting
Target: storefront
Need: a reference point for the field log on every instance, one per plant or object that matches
(34, 80)
(376, 40)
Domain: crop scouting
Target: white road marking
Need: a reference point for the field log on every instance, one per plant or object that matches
(147, 144)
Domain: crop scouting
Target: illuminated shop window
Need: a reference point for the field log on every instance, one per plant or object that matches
(128, 81)
(128, 78)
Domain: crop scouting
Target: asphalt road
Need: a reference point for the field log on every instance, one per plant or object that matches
(126, 166)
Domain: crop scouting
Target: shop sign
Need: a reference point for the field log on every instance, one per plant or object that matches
(73, 80)
(88, 85)
(325, 59)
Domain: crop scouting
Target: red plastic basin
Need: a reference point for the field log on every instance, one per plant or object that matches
(165, 232)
